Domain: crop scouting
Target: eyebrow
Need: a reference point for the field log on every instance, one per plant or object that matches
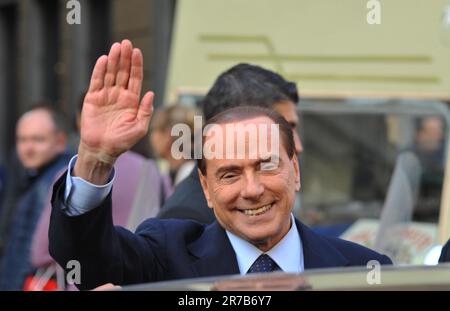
(270, 158)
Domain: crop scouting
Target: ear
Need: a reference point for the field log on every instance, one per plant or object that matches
(204, 184)
(297, 172)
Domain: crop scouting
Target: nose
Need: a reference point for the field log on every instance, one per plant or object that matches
(297, 142)
(253, 188)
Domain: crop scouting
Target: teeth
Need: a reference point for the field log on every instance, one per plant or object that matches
(261, 210)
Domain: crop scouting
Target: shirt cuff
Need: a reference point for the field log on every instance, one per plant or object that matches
(80, 195)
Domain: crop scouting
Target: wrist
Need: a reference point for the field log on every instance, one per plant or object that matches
(93, 166)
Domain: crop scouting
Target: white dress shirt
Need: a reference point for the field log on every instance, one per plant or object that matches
(80, 195)
(287, 253)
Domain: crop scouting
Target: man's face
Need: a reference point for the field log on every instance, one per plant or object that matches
(253, 198)
(287, 110)
(431, 134)
(37, 140)
(161, 142)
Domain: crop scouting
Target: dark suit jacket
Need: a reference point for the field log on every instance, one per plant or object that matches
(188, 202)
(168, 249)
(445, 254)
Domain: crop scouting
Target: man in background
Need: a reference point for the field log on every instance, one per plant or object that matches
(41, 149)
(429, 149)
(140, 189)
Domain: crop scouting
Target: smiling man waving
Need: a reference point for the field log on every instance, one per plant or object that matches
(250, 189)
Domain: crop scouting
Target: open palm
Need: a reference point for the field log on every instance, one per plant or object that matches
(113, 120)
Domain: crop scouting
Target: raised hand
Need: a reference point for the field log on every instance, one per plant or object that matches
(112, 119)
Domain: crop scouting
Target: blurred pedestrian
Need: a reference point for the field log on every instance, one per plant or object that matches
(161, 139)
(429, 149)
(142, 191)
(41, 149)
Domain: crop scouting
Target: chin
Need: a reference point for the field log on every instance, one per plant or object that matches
(263, 243)
(266, 234)
(259, 238)
(29, 166)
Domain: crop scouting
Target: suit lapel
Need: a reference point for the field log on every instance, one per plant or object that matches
(318, 252)
(213, 253)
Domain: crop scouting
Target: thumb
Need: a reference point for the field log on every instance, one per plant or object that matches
(107, 286)
(145, 110)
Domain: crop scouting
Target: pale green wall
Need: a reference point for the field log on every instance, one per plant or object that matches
(324, 45)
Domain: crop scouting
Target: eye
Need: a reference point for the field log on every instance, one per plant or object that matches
(38, 139)
(229, 175)
(268, 166)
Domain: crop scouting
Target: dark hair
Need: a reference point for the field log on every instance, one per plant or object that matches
(57, 116)
(248, 112)
(247, 85)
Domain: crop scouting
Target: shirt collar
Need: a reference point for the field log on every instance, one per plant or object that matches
(288, 253)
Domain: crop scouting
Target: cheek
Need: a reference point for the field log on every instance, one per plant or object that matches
(155, 137)
(26, 148)
(167, 137)
(45, 147)
(22, 152)
(284, 185)
(225, 195)
(292, 178)
(156, 143)
(286, 179)
(153, 140)
(20, 147)
(159, 140)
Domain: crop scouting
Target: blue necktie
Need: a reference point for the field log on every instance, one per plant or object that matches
(263, 264)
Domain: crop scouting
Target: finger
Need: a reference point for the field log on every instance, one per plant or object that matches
(98, 74)
(137, 72)
(124, 64)
(145, 111)
(113, 64)
(108, 286)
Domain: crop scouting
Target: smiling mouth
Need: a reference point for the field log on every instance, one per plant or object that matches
(257, 211)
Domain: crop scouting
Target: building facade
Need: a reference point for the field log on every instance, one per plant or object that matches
(45, 57)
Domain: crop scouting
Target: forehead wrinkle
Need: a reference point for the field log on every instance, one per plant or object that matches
(232, 130)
